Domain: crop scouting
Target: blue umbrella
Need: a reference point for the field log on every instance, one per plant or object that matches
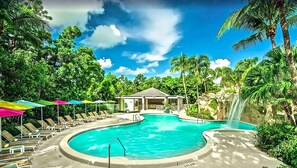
(74, 102)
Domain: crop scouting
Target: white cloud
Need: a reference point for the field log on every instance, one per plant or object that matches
(219, 63)
(127, 71)
(168, 73)
(105, 37)
(159, 27)
(105, 63)
(72, 12)
(153, 64)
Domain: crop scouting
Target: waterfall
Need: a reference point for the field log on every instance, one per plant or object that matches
(235, 111)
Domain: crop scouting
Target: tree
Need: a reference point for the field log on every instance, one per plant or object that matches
(285, 7)
(261, 17)
(269, 83)
(21, 22)
(139, 82)
(262, 21)
(242, 68)
(180, 63)
(198, 65)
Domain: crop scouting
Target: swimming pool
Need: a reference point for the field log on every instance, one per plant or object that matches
(158, 136)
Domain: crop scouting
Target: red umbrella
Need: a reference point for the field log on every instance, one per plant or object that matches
(6, 112)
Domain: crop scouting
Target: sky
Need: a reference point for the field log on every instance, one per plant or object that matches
(132, 37)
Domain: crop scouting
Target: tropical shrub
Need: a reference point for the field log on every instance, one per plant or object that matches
(271, 135)
(286, 151)
(204, 114)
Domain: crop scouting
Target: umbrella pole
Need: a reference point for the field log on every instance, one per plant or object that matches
(96, 108)
(99, 107)
(22, 126)
(42, 118)
(85, 108)
(58, 114)
(74, 112)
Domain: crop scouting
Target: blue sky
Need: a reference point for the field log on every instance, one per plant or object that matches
(136, 36)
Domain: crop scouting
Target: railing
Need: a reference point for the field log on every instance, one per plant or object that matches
(136, 117)
(109, 149)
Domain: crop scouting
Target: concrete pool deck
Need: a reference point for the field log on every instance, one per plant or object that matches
(229, 149)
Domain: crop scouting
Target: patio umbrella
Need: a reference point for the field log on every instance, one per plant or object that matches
(99, 102)
(58, 103)
(28, 103)
(6, 112)
(15, 106)
(45, 103)
(74, 102)
(86, 102)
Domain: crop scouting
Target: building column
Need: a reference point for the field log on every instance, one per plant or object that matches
(143, 103)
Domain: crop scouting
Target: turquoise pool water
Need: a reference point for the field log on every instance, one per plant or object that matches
(158, 136)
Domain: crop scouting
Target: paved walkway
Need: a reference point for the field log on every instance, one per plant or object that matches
(231, 149)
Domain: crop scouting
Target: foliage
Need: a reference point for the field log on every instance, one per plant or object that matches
(213, 104)
(204, 114)
(271, 135)
(286, 151)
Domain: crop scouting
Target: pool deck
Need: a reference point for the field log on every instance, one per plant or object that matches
(227, 149)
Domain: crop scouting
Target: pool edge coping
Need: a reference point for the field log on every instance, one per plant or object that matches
(123, 161)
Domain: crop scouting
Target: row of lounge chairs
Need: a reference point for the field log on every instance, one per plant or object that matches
(33, 137)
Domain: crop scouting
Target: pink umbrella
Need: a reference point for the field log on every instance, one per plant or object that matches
(59, 102)
(6, 112)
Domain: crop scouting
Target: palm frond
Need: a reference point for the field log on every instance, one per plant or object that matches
(292, 21)
(228, 24)
(249, 41)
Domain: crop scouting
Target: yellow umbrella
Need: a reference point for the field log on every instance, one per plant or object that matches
(86, 102)
(15, 106)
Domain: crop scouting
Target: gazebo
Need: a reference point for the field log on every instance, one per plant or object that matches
(149, 99)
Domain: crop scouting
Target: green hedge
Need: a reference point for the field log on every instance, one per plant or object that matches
(204, 114)
(279, 140)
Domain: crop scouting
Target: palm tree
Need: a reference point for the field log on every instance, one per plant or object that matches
(227, 76)
(198, 65)
(261, 21)
(180, 63)
(21, 21)
(242, 68)
(259, 16)
(283, 6)
(269, 83)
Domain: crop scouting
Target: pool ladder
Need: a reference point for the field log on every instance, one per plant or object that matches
(110, 146)
(136, 117)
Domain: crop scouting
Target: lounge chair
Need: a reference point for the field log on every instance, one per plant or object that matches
(86, 117)
(44, 125)
(97, 115)
(44, 133)
(52, 123)
(80, 118)
(17, 164)
(39, 135)
(13, 140)
(26, 133)
(15, 156)
(93, 116)
(106, 114)
(62, 121)
(27, 147)
(69, 119)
